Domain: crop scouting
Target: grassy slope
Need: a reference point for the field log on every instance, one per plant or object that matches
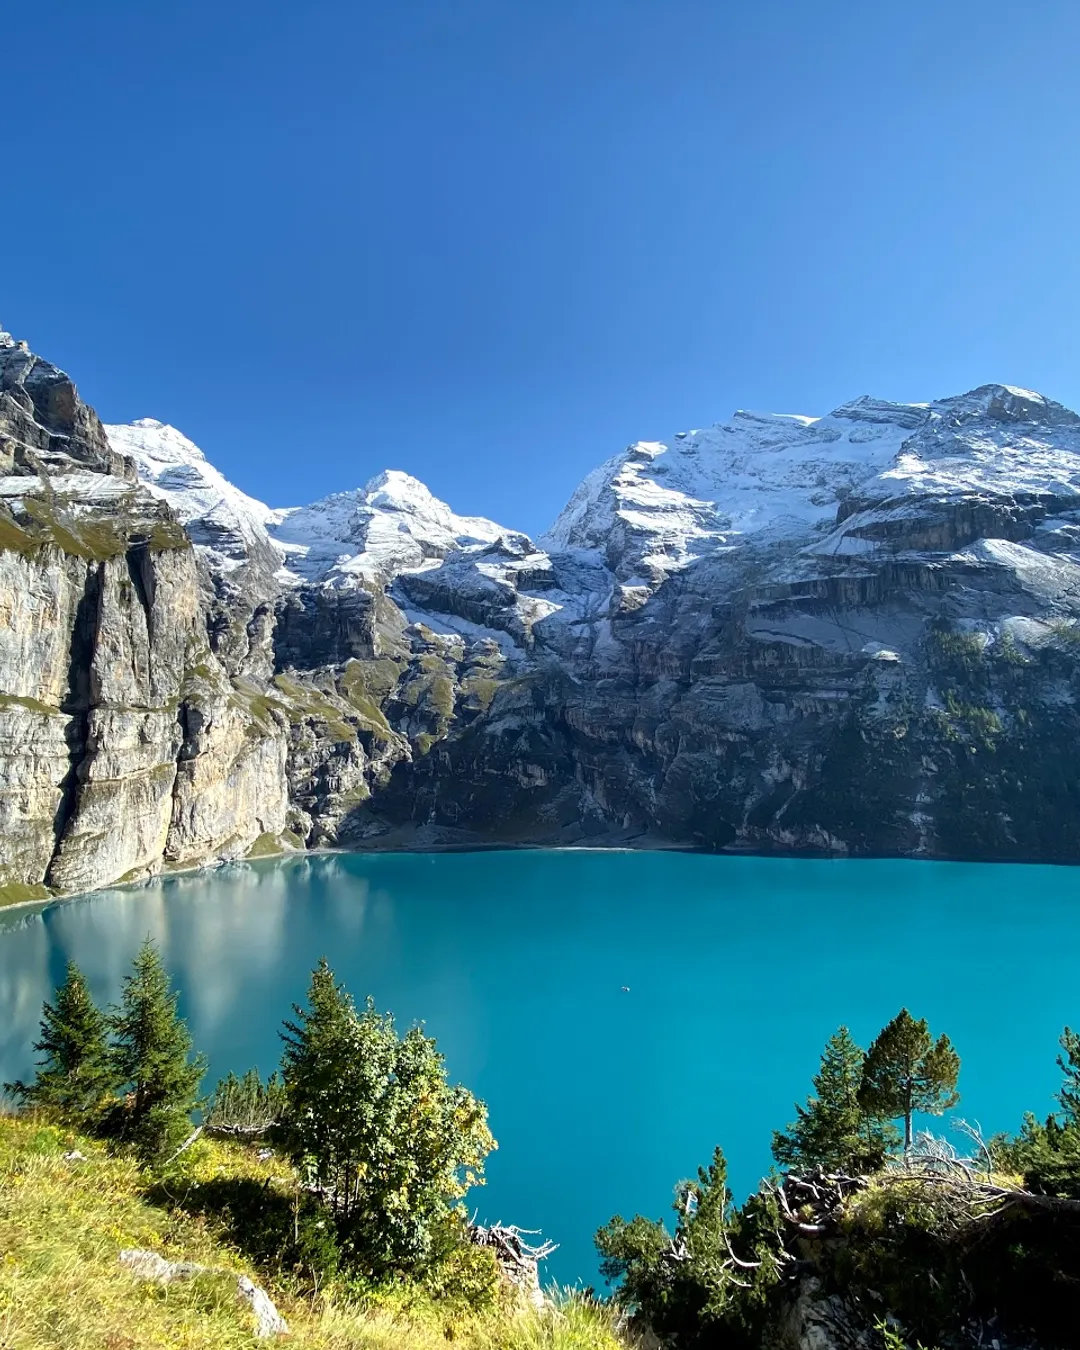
(63, 1225)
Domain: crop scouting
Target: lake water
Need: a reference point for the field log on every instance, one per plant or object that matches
(738, 969)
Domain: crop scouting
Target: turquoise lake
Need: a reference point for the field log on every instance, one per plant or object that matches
(738, 969)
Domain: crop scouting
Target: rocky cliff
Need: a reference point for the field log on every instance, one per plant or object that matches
(124, 747)
(853, 634)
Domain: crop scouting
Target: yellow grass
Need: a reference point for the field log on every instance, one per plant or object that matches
(63, 1224)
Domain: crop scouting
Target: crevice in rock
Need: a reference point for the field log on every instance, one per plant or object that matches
(78, 700)
(184, 752)
(142, 577)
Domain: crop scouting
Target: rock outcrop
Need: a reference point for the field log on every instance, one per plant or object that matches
(854, 634)
(147, 1265)
(123, 747)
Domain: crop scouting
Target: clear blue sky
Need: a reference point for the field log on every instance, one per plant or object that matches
(492, 241)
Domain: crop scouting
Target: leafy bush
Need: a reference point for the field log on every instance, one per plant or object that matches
(372, 1121)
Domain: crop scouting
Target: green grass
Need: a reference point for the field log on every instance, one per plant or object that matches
(93, 538)
(952, 648)
(31, 704)
(432, 692)
(270, 845)
(18, 893)
(1066, 631)
(64, 1223)
(13, 537)
(376, 678)
(259, 707)
(481, 688)
(303, 701)
(97, 539)
(133, 875)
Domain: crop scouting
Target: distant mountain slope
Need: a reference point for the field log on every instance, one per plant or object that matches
(856, 633)
(215, 514)
(391, 523)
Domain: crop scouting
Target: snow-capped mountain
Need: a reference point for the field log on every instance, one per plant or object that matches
(391, 524)
(657, 507)
(218, 516)
(759, 490)
(760, 479)
(851, 633)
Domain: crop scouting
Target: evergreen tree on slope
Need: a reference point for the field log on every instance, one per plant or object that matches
(76, 1074)
(389, 1142)
(153, 1061)
(833, 1130)
(1069, 1064)
(907, 1071)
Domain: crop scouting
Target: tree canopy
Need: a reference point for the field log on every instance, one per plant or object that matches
(388, 1141)
(906, 1071)
(152, 1059)
(1069, 1063)
(77, 1072)
(834, 1130)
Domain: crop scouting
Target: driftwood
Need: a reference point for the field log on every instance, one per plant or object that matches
(195, 1134)
(811, 1204)
(518, 1260)
(239, 1131)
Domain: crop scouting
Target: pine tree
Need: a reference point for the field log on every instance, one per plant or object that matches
(76, 1074)
(314, 1068)
(152, 1059)
(1069, 1064)
(245, 1106)
(833, 1130)
(907, 1071)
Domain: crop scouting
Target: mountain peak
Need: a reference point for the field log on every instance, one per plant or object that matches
(217, 515)
(394, 523)
(148, 439)
(397, 481)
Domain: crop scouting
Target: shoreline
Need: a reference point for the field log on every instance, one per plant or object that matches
(649, 846)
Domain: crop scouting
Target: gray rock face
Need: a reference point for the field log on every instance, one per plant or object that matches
(122, 746)
(853, 635)
(856, 634)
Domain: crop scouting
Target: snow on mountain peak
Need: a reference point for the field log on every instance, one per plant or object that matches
(823, 485)
(656, 507)
(392, 524)
(398, 487)
(762, 477)
(217, 515)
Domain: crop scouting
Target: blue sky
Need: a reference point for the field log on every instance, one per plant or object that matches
(492, 241)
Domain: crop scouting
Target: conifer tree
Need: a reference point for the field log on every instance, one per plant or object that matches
(834, 1130)
(637, 1254)
(907, 1071)
(1069, 1064)
(152, 1059)
(245, 1105)
(76, 1074)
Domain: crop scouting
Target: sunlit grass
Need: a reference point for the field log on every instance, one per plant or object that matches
(63, 1224)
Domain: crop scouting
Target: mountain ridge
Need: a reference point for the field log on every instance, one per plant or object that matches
(852, 634)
